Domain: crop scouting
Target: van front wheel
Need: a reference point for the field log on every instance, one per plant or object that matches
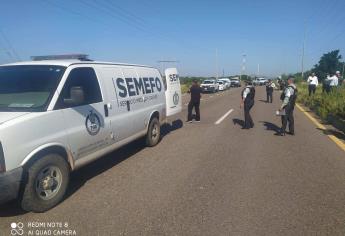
(47, 181)
(153, 133)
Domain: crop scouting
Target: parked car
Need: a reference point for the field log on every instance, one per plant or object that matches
(227, 82)
(57, 115)
(259, 81)
(209, 85)
(235, 82)
(221, 85)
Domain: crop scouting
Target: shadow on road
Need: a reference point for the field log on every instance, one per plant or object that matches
(271, 126)
(261, 100)
(81, 176)
(337, 134)
(238, 122)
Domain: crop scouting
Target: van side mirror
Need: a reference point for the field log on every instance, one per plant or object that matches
(77, 96)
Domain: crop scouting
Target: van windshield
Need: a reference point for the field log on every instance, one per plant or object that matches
(28, 87)
(208, 82)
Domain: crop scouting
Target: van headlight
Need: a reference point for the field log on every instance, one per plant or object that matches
(2, 160)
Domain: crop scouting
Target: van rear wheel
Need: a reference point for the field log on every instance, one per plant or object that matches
(153, 132)
(47, 181)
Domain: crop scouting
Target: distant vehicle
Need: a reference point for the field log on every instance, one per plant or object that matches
(260, 81)
(209, 85)
(235, 82)
(221, 85)
(58, 114)
(227, 82)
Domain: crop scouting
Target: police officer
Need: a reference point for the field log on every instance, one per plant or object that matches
(288, 97)
(269, 91)
(248, 95)
(195, 96)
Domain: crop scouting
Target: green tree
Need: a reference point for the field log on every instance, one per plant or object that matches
(329, 63)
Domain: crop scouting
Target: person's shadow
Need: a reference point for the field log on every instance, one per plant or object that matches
(261, 100)
(238, 122)
(271, 126)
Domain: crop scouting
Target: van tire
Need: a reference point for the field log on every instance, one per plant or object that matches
(57, 170)
(153, 133)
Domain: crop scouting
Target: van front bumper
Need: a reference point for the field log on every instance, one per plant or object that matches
(10, 184)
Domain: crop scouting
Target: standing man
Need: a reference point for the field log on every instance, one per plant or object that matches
(313, 83)
(333, 81)
(248, 95)
(195, 96)
(269, 91)
(288, 97)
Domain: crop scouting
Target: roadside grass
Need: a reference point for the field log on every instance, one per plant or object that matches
(185, 88)
(330, 107)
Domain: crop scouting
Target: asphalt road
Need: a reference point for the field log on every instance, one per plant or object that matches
(209, 179)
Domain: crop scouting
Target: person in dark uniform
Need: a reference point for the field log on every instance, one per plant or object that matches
(195, 96)
(248, 95)
(269, 91)
(288, 97)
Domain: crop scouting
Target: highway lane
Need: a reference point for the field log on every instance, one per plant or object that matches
(207, 179)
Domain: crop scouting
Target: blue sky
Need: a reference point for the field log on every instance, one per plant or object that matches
(269, 32)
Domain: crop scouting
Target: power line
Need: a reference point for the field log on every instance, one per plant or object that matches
(10, 46)
(123, 11)
(124, 18)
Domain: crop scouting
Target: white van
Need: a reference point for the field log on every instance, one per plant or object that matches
(58, 115)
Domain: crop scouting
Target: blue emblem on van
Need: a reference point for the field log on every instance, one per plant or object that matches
(176, 99)
(92, 123)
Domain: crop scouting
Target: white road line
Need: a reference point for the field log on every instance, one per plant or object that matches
(223, 117)
(186, 104)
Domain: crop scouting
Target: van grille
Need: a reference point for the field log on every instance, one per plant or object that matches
(2, 160)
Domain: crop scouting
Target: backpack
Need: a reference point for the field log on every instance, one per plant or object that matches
(293, 98)
(252, 93)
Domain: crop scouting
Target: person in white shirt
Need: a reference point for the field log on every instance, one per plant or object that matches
(333, 81)
(313, 83)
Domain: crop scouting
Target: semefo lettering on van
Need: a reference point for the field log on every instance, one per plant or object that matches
(127, 89)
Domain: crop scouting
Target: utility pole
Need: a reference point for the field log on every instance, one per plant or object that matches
(243, 65)
(217, 63)
(303, 48)
(258, 69)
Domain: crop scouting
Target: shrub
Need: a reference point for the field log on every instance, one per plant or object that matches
(325, 105)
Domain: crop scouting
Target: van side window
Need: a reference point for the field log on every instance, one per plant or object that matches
(85, 78)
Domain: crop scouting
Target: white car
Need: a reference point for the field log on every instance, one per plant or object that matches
(221, 85)
(209, 85)
(260, 81)
(227, 82)
(235, 82)
(58, 115)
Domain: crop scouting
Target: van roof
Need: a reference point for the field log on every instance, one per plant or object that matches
(67, 63)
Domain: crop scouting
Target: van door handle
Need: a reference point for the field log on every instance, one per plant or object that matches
(106, 111)
(128, 106)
